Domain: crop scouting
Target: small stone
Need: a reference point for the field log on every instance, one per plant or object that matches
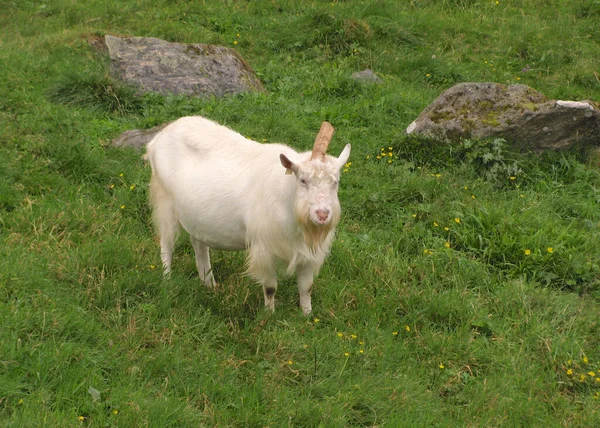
(137, 138)
(366, 76)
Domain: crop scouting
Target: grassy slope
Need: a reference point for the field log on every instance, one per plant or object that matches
(428, 278)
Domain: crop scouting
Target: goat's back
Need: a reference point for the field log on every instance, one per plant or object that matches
(217, 180)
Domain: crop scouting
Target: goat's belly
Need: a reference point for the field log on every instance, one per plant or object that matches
(221, 231)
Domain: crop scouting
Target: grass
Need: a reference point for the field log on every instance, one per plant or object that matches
(462, 290)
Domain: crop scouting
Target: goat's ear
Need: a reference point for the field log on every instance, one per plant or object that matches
(343, 157)
(288, 164)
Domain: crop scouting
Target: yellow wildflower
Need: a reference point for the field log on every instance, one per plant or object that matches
(527, 252)
(570, 372)
(457, 220)
(81, 418)
(362, 351)
(395, 333)
(585, 360)
(447, 244)
(550, 250)
(112, 186)
(122, 207)
(435, 224)
(132, 187)
(441, 366)
(115, 412)
(316, 320)
(235, 42)
(353, 336)
(407, 328)
(512, 177)
(340, 334)
(592, 374)
(346, 354)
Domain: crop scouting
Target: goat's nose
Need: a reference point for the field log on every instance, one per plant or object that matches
(323, 214)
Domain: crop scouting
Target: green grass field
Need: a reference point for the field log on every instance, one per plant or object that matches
(463, 288)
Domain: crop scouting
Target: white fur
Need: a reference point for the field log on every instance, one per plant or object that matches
(231, 193)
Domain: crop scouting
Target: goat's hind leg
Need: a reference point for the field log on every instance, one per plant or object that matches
(166, 222)
(203, 262)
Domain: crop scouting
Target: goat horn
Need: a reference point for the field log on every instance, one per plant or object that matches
(322, 141)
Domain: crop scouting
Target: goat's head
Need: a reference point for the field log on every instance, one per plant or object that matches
(317, 205)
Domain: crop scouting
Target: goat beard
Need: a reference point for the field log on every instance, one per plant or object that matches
(315, 234)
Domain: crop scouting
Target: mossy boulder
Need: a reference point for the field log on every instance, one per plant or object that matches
(154, 65)
(517, 113)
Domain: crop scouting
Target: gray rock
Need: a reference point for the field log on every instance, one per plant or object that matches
(137, 138)
(366, 76)
(156, 65)
(517, 113)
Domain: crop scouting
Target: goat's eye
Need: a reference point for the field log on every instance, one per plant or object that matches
(303, 181)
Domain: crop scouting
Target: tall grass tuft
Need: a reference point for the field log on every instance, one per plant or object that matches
(96, 91)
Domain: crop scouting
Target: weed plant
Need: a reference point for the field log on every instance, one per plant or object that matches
(463, 287)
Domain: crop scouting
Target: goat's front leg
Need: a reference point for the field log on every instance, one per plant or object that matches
(269, 289)
(261, 267)
(305, 275)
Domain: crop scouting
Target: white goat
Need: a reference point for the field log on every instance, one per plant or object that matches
(231, 193)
